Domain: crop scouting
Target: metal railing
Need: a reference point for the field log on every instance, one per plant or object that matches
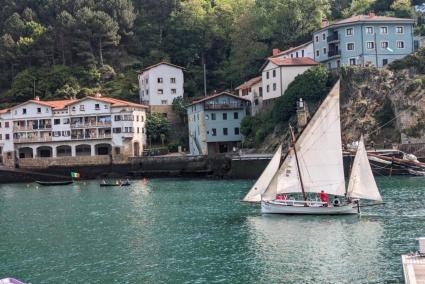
(333, 37)
(334, 52)
(223, 106)
(32, 139)
(94, 136)
(31, 128)
(91, 124)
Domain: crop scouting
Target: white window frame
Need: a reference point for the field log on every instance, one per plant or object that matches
(402, 30)
(352, 31)
(349, 61)
(160, 91)
(404, 44)
(388, 44)
(380, 30)
(369, 27)
(354, 46)
(373, 45)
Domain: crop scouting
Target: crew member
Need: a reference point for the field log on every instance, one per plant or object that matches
(324, 197)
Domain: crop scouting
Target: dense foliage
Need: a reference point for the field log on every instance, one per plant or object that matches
(73, 47)
(157, 128)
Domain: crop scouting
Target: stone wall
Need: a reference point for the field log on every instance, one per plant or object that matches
(171, 115)
(42, 163)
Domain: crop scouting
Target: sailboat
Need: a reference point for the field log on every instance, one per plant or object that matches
(314, 164)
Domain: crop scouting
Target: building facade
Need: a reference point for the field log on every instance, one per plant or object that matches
(252, 90)
(363, 40)
(92, 126)
(303, 50)
(214, 123)
(159, 85)
(278, 73)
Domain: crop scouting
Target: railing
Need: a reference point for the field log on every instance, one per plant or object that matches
(333, 37)
(31, 128)
(224, 106)
(95, 136)
(91, 124)
(332, 53)
(32, 139)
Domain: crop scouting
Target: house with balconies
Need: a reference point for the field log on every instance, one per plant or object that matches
(91, 126)
(365, 40)
(214, 123)
(159, 85)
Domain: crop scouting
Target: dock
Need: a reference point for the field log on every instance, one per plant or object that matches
(413, 268)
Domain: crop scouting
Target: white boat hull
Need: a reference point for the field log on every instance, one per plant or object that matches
(299, 208)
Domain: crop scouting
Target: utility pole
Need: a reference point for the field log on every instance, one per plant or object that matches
(205, 80)
(376, 51)
(33, 87)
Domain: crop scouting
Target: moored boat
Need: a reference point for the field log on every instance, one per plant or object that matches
(116, 184)
(53, 183)
(314, 165)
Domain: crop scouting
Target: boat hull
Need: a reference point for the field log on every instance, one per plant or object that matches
(270, 207)
(54, 183)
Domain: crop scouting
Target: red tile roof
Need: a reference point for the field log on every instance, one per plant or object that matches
(217, 95)
(4, 110)
(249, 83)
(289, 50)
(57, 104)
(160, 63)
(299, 61)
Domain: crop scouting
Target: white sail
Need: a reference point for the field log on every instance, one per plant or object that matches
(286, 179)
(254, 195)
(319, 149)
(362, 183)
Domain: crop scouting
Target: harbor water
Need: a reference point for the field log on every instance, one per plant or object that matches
(198, 231)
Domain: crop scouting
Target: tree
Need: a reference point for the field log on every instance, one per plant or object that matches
(157, 126)
(179, 107)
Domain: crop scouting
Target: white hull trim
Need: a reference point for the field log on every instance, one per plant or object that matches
(275, 207)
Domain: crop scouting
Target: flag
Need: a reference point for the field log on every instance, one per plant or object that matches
(75, 174)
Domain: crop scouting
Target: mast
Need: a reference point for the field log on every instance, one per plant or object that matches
(298, 165)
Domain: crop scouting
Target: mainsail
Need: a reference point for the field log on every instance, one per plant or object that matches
(286, 179)
(254, 195)
(319, 149)
(362, 183)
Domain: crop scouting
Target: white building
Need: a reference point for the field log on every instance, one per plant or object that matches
(278, 73)
(252, 90)
(92, 126)
(303, 50)
(159, 85)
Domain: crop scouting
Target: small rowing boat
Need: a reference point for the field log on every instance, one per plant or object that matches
(52, 183)
(116, 184)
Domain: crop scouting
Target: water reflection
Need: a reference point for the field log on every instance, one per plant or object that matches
(342, 249)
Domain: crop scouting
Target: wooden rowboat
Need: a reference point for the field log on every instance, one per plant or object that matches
(52, 183)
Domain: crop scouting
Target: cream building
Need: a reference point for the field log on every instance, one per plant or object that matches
(92, 126)
(252, 90)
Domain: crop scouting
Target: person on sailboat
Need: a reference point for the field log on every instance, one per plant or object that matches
(324, 198)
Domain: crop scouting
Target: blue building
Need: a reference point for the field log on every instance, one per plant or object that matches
(363, 40)
(214, 123)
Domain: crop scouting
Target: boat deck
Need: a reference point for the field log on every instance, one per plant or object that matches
(414, 269)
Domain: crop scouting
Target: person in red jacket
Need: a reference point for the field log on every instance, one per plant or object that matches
(324, 197)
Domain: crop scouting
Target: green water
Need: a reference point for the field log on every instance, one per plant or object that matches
(197, 231)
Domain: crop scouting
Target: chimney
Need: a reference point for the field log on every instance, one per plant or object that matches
(324, 23)
(371, 14)
(98, 95)
(302, 114)
(37, 98)
(275, 51)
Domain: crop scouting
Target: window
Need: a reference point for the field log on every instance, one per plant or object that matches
(384, 62)
(323, 36)
(383, 30)
(138, 130)
(302, 53)
(142, 118)
(274, 86)
(350, 46)
(173, 91)
(214, 132)
(317, 53)
(146, 80)
(163, 102)
(56, 134)
(260, 90)
(207, 117)
(399, 30)
(224, 116)
(400, 44)
(324, 50)
(147, 92)
(97, 106)
(268, 88)
(1, 137)
(160, 91)
(73, 108)
(352, 61)
(57, 121)
(160, 80)
(292, 55)
(267, 74)
(213, 116)
(66, 121)
(106, 106)
(274, 73)
(317, 38)
(370, 45)
(39, 110)
(24, 111)
(117, 117)
(66, 133)
(116, 130)
(384, 44)
(236, 130)
(7, 136)
(81, 107)
(369, 30)
(6, 124)
(225, 131)
(349, 31)
(172, 80)
(235, 115)
(338, 63)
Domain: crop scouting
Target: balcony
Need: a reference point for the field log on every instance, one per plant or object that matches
(32, 139)
(92, 124)
(334, 53)
(31, 128)
(333, 37)
(92, 136)
(224, 106)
